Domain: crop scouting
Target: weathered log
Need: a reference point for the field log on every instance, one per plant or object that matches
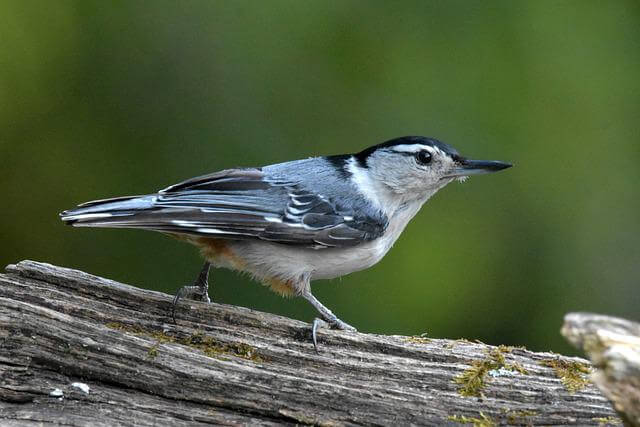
(231, 365)
(613, 345)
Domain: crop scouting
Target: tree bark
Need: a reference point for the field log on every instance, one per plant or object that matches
(230, 365)
(613, 345)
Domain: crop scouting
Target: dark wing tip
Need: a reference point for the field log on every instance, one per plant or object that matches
(242, 178)
(65, 217)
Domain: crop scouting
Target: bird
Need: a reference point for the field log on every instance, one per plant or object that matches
(288, 224)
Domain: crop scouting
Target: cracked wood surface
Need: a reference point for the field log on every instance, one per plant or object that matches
(230, 365)
(613, 345)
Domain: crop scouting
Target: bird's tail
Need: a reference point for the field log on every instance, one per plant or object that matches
(116, 212)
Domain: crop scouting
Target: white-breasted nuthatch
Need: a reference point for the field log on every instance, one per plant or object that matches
(290, 223)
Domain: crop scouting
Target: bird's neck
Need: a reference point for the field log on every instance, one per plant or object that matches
(383, 197)
(379, 195)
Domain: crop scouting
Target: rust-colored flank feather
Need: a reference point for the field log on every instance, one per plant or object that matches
(219, 252)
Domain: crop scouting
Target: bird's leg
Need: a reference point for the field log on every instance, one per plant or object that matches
(327, 317)
(198, 290)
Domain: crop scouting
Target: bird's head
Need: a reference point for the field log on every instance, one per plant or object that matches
(415, 167)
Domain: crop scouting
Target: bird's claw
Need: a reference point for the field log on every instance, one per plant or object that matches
(199, 290)
(334, 324)
(194, 292)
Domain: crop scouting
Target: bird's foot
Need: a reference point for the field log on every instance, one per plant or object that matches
(198, 291)
(333, 323)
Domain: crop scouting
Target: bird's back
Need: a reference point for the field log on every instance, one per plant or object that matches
(303, 203)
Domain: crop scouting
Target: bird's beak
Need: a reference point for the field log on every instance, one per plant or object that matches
(468, 167)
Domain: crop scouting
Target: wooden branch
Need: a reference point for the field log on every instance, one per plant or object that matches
(613, 345)
(231, 365)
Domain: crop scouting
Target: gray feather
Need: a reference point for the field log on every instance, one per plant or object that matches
(248, 204)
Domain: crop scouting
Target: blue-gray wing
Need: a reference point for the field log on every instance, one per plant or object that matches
(237, 204)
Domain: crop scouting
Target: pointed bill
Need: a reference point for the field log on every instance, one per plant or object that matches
(468, 167)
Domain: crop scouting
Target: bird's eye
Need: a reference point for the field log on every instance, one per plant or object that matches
(423, 157)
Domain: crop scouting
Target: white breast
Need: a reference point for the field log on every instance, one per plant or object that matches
(267, 260)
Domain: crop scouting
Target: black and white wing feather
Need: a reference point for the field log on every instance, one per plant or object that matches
(236, 204)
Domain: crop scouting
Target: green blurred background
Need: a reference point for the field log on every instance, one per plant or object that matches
(101, 99)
